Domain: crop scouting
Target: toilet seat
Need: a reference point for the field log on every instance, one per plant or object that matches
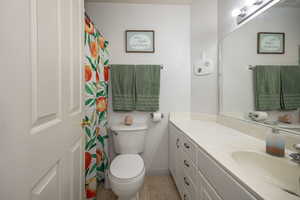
(127, 167)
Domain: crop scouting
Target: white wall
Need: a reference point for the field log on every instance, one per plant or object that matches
(204, 93)
(172, 33)
(239, 51)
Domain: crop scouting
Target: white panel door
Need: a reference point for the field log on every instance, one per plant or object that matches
(41, 142)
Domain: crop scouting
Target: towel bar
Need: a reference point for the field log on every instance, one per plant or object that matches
(251, 67)
(161, 66)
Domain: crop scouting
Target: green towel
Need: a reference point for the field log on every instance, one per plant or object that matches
(123, 87)
(267, 88)
(290, 81)
(147, 79)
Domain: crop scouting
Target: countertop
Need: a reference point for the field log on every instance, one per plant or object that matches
(220, 142)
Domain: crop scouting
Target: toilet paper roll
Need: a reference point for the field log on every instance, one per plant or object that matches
(258, 116)
(157, 116)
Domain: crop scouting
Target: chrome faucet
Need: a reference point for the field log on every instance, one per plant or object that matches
(296, 156)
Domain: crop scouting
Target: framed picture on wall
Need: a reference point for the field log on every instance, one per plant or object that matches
(140, 41)
(270, 43)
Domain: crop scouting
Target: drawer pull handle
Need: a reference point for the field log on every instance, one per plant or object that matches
(177, 143)
(186, 163)
(186, 181)
(186, 145)
(185, 197)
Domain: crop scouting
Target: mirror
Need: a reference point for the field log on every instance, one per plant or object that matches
(260, 68)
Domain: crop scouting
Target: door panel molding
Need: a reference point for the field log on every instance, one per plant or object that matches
(46, 64)
(49, 186)
(75, 57)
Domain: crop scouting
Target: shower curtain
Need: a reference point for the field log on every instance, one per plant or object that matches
(95, 108)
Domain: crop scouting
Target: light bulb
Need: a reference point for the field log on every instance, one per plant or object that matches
(253, 2)
(258, 2)
(236, 12)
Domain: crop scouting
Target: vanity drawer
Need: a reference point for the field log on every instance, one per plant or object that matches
(206, 191)
(188, 166)
(189, 148)
(188, 188)
(226, 186)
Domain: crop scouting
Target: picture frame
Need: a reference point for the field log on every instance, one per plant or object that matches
(140, 41)
(270, 43)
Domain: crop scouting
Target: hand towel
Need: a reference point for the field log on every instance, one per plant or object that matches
(267, 87)
(290, 83)
(147, 81)
(123, 87)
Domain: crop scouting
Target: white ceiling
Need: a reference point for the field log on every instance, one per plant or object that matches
(144, 1)
(290, 3)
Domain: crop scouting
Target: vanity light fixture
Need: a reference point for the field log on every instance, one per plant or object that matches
(239, 12)
(251, 9)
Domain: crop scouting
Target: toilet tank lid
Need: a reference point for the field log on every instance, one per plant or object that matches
(133, 127)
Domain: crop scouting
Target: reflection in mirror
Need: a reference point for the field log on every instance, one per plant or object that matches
(260, 68)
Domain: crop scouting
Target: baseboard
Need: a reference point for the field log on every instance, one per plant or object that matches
(157, 172)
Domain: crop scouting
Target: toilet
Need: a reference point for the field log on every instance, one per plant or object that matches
(127, 170)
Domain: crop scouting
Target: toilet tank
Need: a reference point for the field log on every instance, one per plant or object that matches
(129, 139)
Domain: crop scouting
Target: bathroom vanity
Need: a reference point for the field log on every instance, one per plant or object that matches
(210, 161)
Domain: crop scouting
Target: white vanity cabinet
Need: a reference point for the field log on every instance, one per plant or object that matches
(175, 149)
(197, 175)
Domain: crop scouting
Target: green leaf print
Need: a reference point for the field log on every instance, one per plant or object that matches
(100, 94)
(93, 168)
(106, 62)
(86, 172)
(100, 139)
(91, 62)
(102, 116)
(88, 131)
(90, 144)
(88, 89)
(90, 102)
(91, 147)
(89, 39)
(101, 168)
(105, 44)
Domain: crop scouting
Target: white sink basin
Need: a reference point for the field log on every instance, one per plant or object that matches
(277, 171)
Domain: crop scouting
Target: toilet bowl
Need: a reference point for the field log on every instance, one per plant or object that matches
(126, 176)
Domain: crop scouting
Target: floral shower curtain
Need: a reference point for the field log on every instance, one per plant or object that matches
(95, 108)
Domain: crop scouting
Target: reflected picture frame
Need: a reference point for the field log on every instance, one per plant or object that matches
(140, 41)
(270, 43)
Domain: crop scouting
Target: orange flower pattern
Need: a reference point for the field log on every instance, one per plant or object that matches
(95, 110)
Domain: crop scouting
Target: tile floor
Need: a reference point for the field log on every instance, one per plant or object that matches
(155, 188)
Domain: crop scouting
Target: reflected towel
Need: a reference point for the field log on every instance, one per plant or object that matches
(290, 83)
(267, 87)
